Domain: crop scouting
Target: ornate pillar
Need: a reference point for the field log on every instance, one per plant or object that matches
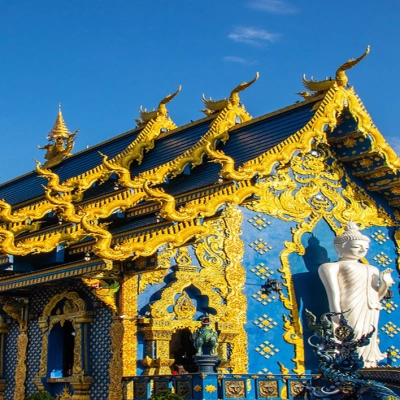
(157, 334)
(79, 382)
(129, 307)
(227, 331)
(20, 372)
(17, 308)
(116, 367)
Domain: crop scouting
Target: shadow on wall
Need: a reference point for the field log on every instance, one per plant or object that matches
(310, 293)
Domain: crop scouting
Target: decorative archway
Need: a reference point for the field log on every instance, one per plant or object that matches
(66, 308)
(220, 278)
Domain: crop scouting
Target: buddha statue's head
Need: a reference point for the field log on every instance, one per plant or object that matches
(351, 244)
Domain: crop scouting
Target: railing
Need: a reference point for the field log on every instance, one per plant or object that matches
(218, 386)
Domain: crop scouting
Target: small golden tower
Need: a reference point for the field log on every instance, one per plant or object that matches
(61, 142)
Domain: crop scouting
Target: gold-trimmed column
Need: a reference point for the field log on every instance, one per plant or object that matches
(20, 371)
(236, 300)
(159, 333)
(129, 307)
(115, 371)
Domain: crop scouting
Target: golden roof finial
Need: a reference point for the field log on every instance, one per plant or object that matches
(61, 142)
(146, 116)
(59, 129)
(340, 79)
(214, 106)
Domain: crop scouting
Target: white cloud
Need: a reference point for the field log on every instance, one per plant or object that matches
(239, 60)
(253, 36)
(273, 6)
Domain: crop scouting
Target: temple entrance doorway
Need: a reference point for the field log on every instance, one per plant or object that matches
(61, 349)
(183, 350)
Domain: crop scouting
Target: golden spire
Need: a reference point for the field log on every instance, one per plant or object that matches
(59, 129)
(61, 142)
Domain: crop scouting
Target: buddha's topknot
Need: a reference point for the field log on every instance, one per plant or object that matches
(351, 232)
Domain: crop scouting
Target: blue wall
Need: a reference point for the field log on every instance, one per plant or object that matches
(99, 345)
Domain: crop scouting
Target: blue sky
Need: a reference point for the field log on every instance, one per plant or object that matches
(103, 59)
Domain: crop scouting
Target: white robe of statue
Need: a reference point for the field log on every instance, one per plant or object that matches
(357, 288)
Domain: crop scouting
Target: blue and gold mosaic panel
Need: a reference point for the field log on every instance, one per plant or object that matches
(261, 246)
(393, 354)
(389, 305)
(380, 237)
(260, 222)
(265, 323)
(99, 352)
(267, 349)
(382, 259)
(263, 239)
(262, 271)
(390, 329)
(382, 254)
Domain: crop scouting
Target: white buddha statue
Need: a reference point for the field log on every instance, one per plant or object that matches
(357, 288)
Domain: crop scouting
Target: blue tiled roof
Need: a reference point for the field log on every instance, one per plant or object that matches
(29, 186)
(246, 142)
(172, 146)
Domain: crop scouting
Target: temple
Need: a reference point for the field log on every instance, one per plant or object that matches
(111, 258)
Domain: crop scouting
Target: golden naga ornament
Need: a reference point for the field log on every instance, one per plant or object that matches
(147, 116)
(213, 106)
(103, 291)
(152, 124)
(28, 215)
(14, 307)
(61, 142)
(226, 114)
(43, 243)
(340, 80)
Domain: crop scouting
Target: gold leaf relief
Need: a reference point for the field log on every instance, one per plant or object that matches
(116, 366)
(183, 258)
(209, 252)
(349, 142)
(184, 307)
(366, 162)
(223, 288)
(20, 370)
(235, 275)
(156, 276)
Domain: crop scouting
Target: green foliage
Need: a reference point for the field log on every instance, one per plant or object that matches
(40, 396)
(165, 395)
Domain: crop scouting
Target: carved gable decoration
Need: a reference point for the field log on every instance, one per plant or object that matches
(184, 307)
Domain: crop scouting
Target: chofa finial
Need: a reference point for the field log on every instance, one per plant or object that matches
(340, 80)
(146, 116)
(213, 106)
